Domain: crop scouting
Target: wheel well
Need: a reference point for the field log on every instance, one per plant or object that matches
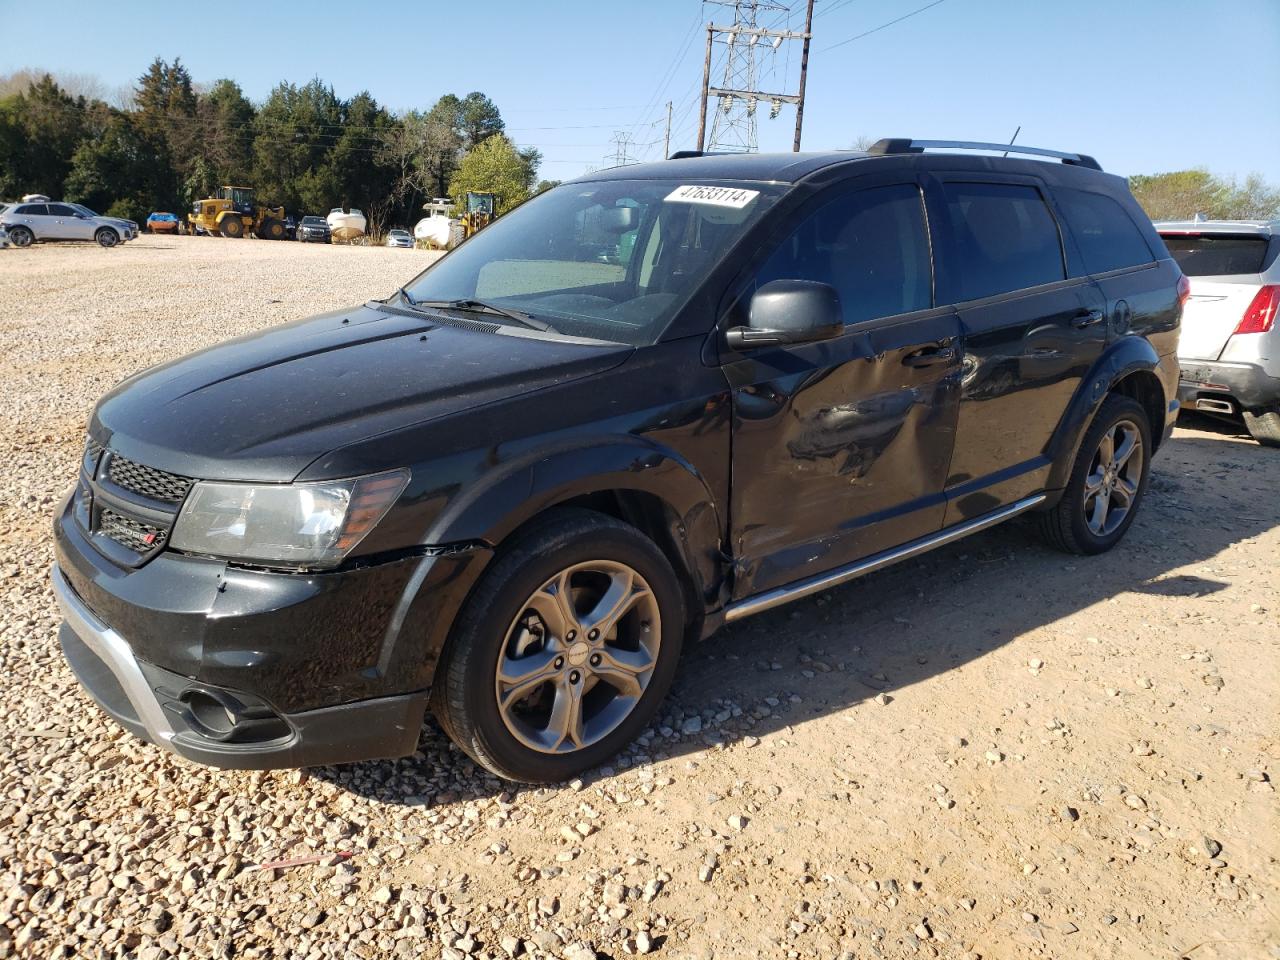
(1144, 386)
(653, 517)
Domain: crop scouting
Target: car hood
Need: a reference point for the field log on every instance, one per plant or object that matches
(264, 406)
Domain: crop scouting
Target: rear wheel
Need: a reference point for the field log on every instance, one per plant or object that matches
(107, 237)
(21, 236)
(1107, 482)
(1264, 427)
(565, 650)
(231, 227)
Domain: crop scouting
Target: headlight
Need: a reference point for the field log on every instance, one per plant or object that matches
(294, 524)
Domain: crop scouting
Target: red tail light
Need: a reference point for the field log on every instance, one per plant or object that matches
(1261, 314)
(1184, 289)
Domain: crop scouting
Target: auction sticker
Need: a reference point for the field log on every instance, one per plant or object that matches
(731, 197)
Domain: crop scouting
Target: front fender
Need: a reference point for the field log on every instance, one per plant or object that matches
(488, 510)
(1120, 359)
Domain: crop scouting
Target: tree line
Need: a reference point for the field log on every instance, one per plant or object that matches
(170, 142)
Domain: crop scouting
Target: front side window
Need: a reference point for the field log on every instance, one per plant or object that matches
(1004, 239)
(612, 260)
(60, 210)
(872, 246)
(1107, 236)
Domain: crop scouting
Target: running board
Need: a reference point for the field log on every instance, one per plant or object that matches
(833, 578)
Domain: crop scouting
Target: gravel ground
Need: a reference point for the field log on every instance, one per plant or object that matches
(995, 751)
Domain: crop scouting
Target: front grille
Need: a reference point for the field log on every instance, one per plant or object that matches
(148, 481)
(137, 536)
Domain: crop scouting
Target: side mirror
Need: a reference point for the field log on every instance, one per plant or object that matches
(789, 311)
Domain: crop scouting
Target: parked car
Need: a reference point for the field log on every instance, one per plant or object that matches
(291, 227)
(4, 234)
(29, 222)
(1230, 346)
(162, 223)
(399, 238)
(314, 229)
(516, 488)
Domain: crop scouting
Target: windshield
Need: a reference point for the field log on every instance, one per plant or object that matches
(613, 260)
(313, 221)
(83, 209)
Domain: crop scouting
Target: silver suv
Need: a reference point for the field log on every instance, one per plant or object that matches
(1230, 347)
(28, 222)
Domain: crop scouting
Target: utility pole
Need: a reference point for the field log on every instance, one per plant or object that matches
(666, 140)
(733, 126)
(804, 71)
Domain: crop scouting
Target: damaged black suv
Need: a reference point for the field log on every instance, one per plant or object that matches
(644, 404)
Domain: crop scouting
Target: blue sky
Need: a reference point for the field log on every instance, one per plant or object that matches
(1144, 85)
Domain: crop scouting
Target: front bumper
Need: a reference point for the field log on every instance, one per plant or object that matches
(1246, 383)
(165, 708)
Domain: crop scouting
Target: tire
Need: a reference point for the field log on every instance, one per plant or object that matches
(1072, 525)
(271, 229)
(232, 227)
(1264, 427)
(566, 547)
(107, 237)
(21, 237)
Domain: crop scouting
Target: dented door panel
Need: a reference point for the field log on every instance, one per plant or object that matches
(840, 448)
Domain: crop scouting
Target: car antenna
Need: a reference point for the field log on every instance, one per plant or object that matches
(1013, 138)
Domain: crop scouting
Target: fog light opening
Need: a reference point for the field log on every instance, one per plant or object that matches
(209, 714)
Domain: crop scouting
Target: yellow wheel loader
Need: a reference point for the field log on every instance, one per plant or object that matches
(233, 214)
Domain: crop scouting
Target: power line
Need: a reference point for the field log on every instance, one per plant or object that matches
(867, 33)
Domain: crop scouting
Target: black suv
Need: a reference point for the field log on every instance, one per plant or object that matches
(644, 404)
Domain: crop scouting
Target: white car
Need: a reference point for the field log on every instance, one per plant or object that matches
(27, 223)
(1229, 349)
(399, 238)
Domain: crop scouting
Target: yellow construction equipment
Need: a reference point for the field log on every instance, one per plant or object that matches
(479, 212)
(232, 213)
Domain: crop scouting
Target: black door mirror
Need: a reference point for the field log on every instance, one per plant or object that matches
(789, 311)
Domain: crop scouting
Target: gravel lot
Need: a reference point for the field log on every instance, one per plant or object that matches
(995, 751)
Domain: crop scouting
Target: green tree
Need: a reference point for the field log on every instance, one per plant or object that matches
(165, 119)
(295, 131)
(478, 119)
(494, 166)
(113, 170)
(1181, 194)
(226, 121)
(39, 131)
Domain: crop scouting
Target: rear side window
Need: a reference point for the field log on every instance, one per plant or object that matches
(872, 246)
(32, 210)
(1107, 236)
(1004, 238)
(1217, 254)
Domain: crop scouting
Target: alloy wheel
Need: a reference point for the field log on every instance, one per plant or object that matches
(1115, 472)
(578, 656)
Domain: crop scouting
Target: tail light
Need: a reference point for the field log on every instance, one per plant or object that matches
(1184, 289)
(1261, 313)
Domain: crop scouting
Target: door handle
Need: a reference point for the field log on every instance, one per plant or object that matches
(1086, 319)
(930, 356)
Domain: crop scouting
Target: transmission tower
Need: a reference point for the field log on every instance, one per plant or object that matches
(622, 144)
(738, 94)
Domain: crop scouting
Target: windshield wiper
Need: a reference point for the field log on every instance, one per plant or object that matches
(482, 306)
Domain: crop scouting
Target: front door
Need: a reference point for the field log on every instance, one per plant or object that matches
(1031, 333)
(840, 448)
(67, 224)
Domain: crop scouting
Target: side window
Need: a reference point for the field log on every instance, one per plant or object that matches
(872, 246)
(60, 210)
(33, 210)
(1107, 236)
(1004, 238)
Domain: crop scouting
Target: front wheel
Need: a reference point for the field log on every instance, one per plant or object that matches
(232, 227)
(565, 650)
(107, 237)
(1107, 482)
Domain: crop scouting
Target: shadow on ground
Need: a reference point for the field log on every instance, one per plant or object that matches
(903, 625)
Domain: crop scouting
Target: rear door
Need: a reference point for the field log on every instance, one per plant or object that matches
(1031, 332)
(1225, 271)
(840, 448)
(34, 216)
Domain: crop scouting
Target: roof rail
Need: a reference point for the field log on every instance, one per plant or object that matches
(893, 145)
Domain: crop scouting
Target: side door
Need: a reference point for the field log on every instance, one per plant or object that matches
(34, 216)
(840, 448)
(66, 224)
(1031, 333)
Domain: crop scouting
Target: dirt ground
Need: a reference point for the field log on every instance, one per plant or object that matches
(994, 751)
